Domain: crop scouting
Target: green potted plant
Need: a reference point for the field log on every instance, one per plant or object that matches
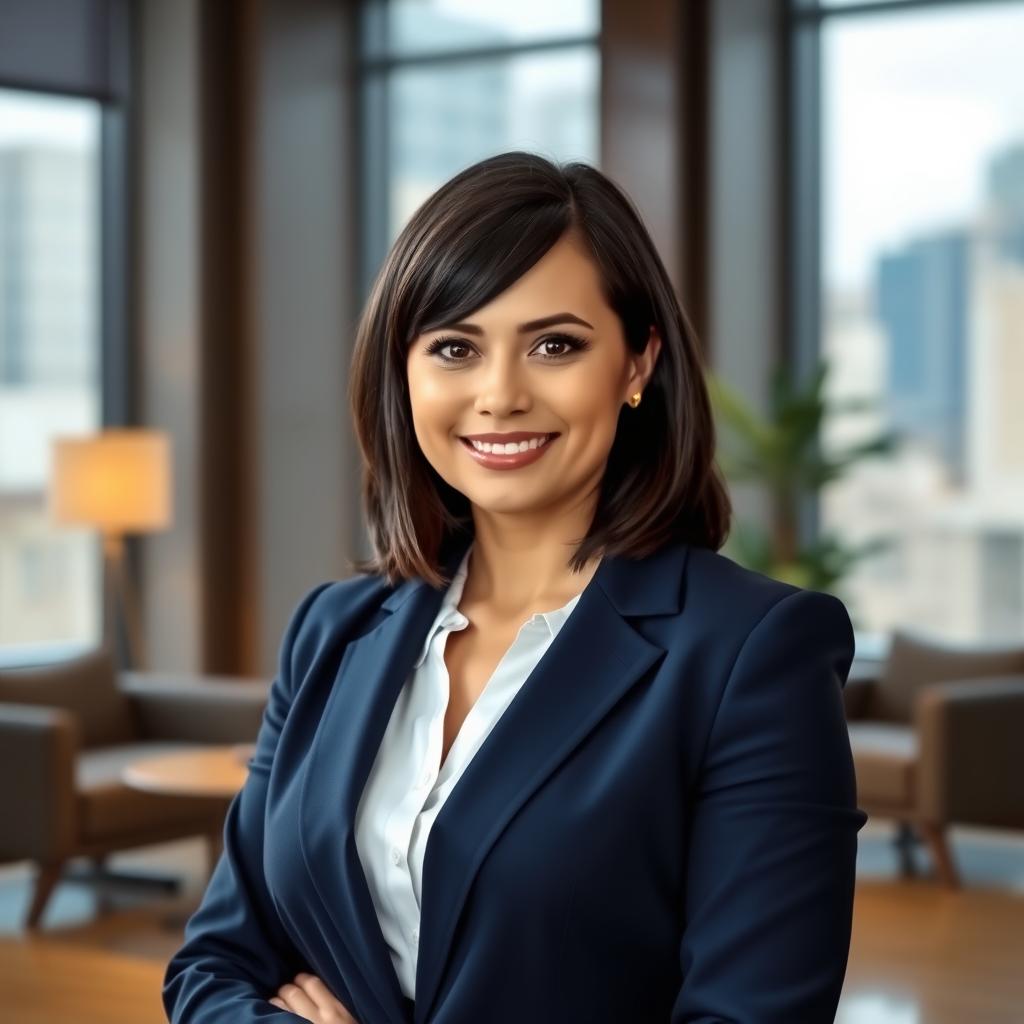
(780, 452)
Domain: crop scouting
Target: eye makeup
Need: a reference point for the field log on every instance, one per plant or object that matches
(575, 344)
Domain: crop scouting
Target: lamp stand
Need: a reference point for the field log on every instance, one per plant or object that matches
(121, 602)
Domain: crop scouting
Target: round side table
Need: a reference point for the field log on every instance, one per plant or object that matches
(217, 772)
(211, 771)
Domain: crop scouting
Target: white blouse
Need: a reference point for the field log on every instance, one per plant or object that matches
(405, 790)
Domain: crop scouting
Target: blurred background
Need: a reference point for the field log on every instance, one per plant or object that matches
(194, 199)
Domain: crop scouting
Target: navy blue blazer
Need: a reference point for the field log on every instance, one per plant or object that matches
(661, 827)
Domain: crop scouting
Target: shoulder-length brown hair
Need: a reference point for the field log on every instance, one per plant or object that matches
(468, 242)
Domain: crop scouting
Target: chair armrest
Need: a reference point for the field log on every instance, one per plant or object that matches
(969, 732)
(859, 687)
(38, 749)
(213, 710)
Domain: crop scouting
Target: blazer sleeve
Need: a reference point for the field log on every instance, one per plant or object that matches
(773, 840)
(236, 953)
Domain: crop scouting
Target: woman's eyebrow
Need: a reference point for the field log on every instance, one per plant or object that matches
(530, 325)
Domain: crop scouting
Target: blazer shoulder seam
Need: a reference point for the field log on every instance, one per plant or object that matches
(735, 661)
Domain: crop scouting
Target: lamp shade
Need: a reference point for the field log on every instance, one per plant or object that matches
(117, 480)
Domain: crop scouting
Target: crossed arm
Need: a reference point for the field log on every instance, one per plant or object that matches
(237, 957)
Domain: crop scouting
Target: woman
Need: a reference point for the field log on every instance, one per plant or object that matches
(548, 756)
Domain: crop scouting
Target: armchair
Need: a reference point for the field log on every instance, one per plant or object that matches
(936, 739)
(67, 730)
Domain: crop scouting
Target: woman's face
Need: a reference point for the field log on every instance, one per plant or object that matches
(503, 378)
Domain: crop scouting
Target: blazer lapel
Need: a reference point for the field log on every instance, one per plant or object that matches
(596, 657)
(369, 678)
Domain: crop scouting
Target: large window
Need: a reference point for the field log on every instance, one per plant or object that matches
(50, 373)
(449, 82)
(919, 151)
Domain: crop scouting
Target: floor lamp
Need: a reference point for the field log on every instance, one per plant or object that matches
(118, 482)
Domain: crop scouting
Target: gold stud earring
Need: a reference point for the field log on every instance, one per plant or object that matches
(635, 399)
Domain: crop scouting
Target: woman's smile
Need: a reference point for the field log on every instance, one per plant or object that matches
(504, 459)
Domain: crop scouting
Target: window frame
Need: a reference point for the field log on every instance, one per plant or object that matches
(373, 172)
(105, 72)
(801, 339)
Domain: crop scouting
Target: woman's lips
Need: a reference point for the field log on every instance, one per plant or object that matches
(515, 461)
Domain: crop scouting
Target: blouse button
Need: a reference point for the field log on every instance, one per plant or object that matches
(396, 855)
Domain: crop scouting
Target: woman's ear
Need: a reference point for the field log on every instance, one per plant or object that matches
(645, 362)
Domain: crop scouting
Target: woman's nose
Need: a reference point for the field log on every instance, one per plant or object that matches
(501, 389)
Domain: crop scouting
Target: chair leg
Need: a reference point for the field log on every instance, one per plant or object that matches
(945, 866)
(46, 880)
(904, 842)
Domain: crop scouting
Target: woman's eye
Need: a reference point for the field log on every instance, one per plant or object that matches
(565, 344)
(553, 341)
(454, 345)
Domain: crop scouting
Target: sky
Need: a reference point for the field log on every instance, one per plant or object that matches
(29, 117)
(515, 20)
(914, 104)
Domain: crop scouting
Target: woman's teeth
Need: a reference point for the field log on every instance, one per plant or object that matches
(510, 449)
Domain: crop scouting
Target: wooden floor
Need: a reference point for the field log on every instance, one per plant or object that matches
(43, 983)
(920, 954)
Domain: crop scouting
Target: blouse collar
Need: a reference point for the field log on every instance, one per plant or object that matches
(448, 614)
